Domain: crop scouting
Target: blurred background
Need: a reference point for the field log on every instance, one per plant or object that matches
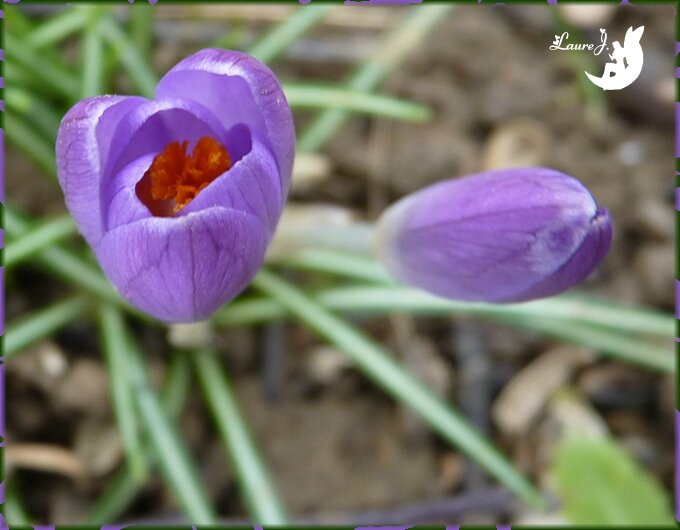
(457, 90)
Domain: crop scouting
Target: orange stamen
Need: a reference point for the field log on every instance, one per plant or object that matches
(179, 178)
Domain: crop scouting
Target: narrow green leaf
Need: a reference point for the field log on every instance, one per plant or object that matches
(15, 513)
(92, 53)
(255, 483)
(115, 351)
(573, 307)
(18, 77)
(610, 342)
(69, 267)
(331, 261)
(49, 232)
(176, 387)
(379, 366)
(57, 77)
(123, 488)
(276, 40)
(417, 24)
(34, 110)
(31, 143)
(57, 28)
(38, 325)
(177, 467)
(562, 317)
(601, 484)
(120, 492)
(141, 28)
(134, 63)
(17, 20)
(330, 97)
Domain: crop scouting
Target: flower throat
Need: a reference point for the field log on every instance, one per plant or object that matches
(175, 178)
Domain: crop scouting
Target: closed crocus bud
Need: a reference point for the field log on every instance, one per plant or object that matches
(502, 236)
(179, 196)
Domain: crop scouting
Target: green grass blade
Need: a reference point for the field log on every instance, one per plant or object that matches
(36, 148)
(256, 486)
(176, 387)
(115, 351)
(564, 308)
(329, 97)
(36, 326)
(60, 79)
(34, 110)
(120, 492)
(134, 63)
(16, 19)
(275, 41)
(15, 513)
(251, 311)
(377, 364)
(417, 24)
(572, 307)
(334, 262)
(555, 317)
(92, 56)
(567, 309)
(57, 28)
(141, 28)
(48, 233)
(122, 489)
(66, 265)
(614, 344)
(16, 76)
(177, 467)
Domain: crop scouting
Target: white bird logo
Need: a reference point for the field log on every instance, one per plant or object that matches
(626, 65)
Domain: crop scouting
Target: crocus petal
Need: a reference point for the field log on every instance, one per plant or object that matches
(177, 239)
(83, 142)
(183, 269)
(123, 204)
(501, 236)
(594, 248)
(238, 89)
(251, 185)
(151, 126)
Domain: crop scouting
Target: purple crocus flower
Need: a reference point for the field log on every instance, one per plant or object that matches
(502, 236)
(179, 196)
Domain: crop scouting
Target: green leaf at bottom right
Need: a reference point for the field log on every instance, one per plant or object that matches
(599, 483)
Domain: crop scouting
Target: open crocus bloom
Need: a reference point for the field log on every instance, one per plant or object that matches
(179, 196)
(502, 236)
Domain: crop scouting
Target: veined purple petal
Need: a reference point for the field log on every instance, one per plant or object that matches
(177, 239)
(237, 88)
(153, 125)
(251, 185)
(501, 236)
(183, 269)
(123, 204)
(83, 141)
